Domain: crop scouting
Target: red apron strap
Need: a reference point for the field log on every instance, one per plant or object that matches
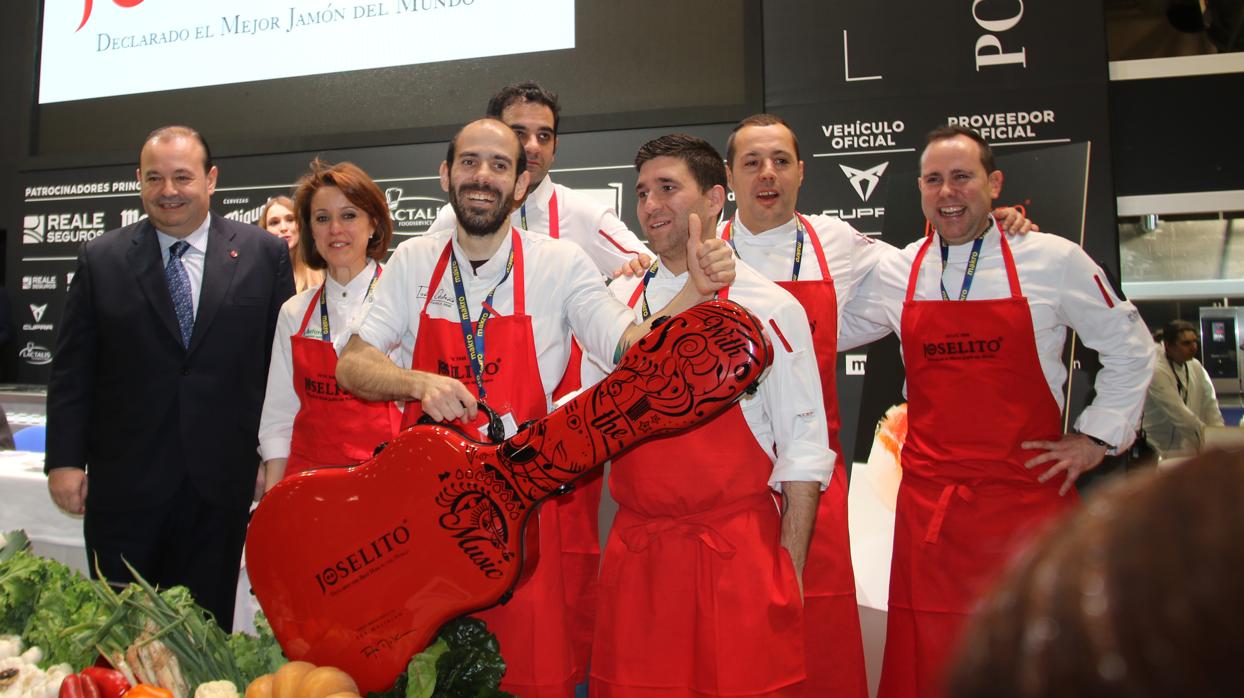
(310, 309)
(816, 246)
(554, 224)
(915, 269)
(725, 232)
(520, 288)
(639, 290)
(437, 272)
(1012, 275)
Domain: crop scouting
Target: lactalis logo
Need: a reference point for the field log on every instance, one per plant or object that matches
(963, 347)
(411, 218)
(865, 181)
(86, 11)
(35, 355)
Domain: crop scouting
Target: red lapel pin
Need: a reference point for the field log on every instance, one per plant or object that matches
(233, 253)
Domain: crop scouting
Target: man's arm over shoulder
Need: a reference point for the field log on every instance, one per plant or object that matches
(607, 240)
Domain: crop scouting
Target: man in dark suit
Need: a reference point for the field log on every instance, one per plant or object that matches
(158, 380)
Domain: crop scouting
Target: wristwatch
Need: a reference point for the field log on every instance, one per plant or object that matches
(1097, 441)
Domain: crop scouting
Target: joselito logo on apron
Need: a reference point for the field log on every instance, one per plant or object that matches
(963, 347)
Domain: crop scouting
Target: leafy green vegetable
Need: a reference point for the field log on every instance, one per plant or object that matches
(21, 578)
(12, 543)
(421, 673)
(473, 667)
(256, 655)
(66, 600)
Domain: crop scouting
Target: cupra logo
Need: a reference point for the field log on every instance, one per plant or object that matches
(86, 12)
(865, 181)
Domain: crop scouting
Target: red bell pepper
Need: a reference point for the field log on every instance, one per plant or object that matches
(78, 686)
(111, 683)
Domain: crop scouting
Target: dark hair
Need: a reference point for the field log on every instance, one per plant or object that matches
(176, 131)
(1174, 328)
(525, 91)
(359, 189)
(941, 133)
(278, 199)
(705, 163)
(1136, 594)
(520, 163)
(759, 120)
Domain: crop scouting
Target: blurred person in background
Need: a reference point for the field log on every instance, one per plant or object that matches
(1181, 401)
(278, 218)
(1139, 594)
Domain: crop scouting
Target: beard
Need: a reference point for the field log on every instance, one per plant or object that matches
(472, 220)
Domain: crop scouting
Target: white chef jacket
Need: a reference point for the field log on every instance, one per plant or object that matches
(1172, 424)
(1064, 288)
(346, 305)
(564, 293)
(849, 254)
(586, 222)
(786, 415)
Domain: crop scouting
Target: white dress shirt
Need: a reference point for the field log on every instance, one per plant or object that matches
(849, 254)
(786, 415)
(564, 293)
(585, 221)
(346, 305)
(1064, 288)
(193, 259)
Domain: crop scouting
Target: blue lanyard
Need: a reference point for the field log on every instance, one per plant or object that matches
(794, 272)
(652, 271)
(475, 340)
(968, 274)
(522, 215)
(324, 333)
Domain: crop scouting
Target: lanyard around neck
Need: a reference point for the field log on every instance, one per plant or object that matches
(968, 274)
(474, 340)
(644, 311)
(799, 236)
(324, 332)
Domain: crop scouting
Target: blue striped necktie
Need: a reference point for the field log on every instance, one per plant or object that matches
(179, 289)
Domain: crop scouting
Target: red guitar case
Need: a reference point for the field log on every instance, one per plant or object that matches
(359, 567)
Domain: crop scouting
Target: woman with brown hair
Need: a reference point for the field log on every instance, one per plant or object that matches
(308, 421)
(278, 218)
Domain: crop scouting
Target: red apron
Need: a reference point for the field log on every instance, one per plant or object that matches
(698, 598)
(545, 630)
(966, 503)
(833, 641)
(332, 427)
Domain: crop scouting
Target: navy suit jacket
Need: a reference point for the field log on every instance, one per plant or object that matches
(138, 410)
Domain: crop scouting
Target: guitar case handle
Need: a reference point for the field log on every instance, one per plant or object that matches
(496, 430)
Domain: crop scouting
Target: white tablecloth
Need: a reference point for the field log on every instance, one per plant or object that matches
(28, 506)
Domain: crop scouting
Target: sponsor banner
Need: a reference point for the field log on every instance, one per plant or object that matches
(64, 209)
(100, 49)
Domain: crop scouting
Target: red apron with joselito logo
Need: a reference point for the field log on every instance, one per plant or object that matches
(833, 642)
(545, 628)
(698, 597)
(966, 503)
(332, 427)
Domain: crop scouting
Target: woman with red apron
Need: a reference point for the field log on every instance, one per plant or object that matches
(545, 629)
(332, 427)
(733, 626)
(966, 503)
(348, 233)
(835, 648)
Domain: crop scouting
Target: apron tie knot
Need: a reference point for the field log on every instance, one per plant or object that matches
(637, 538)
(943, 503)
